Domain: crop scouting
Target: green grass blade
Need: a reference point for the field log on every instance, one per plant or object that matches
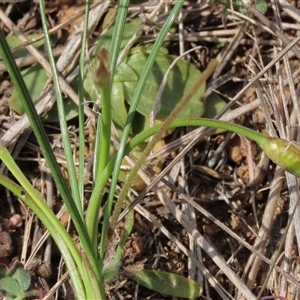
(74, 207)
(91, 283)
(94, 290)
(139, 89)
(103, 135)
(117, 37)
(104, 125)
(62, 115)
(35, 121)
(93, 209)
(158, 136)
(103, 132)
(43, 142)
(81, 103)
(29, 195)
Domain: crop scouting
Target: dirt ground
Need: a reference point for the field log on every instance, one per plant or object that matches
(238, 201)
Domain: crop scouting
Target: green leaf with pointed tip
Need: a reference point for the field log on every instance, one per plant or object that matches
(166, 283)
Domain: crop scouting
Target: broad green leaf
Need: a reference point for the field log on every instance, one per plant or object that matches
(117, 101)
(146, 49)
(13, 41)
(35, 79)
(166, 283)
(71, 110)
(23, 279)
(120, 110)
(129, 30)
(213, 104)
(10, 286)
(125, 74)
(180, 81)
